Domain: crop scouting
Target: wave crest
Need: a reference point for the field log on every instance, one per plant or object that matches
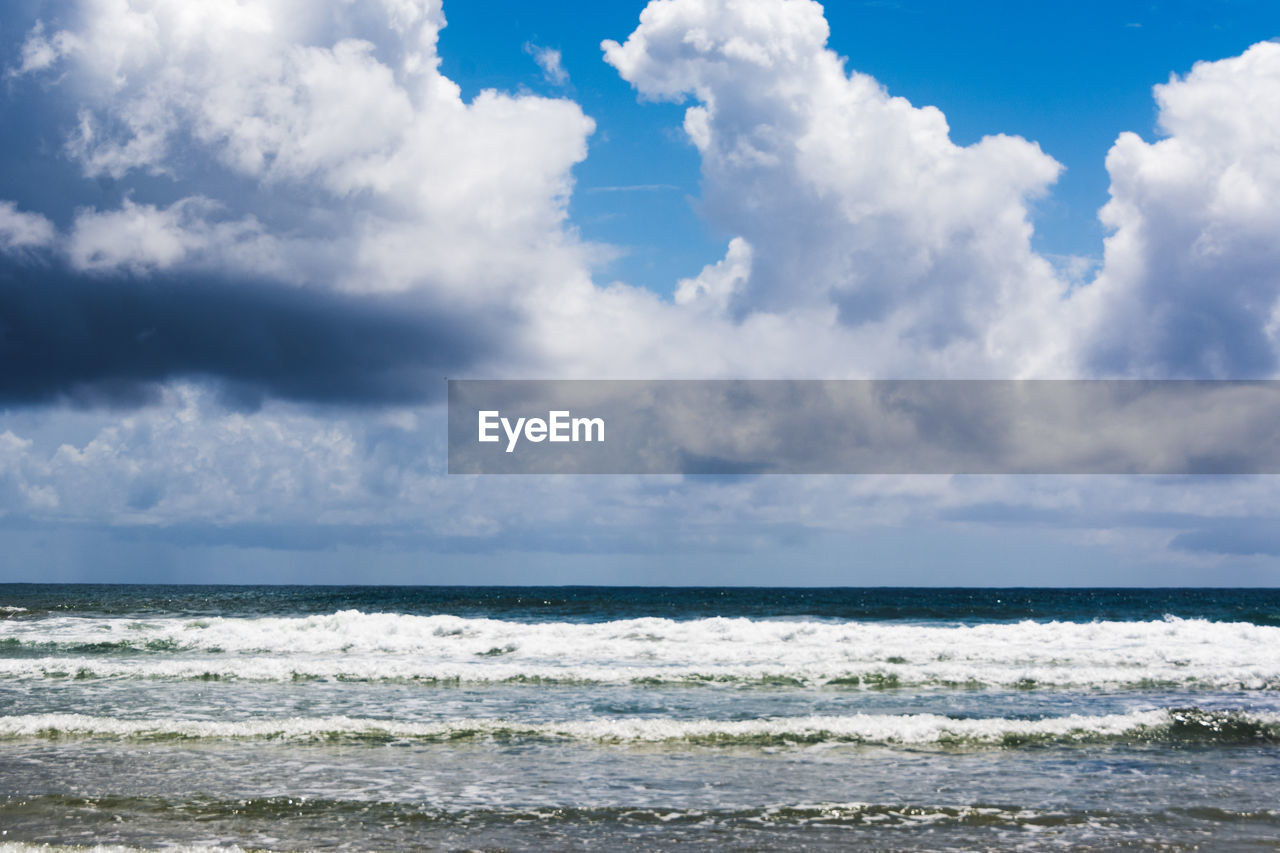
(350, 645)
(1166, 725)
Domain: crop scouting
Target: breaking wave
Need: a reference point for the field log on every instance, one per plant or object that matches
(1165, 725)
(350, 645)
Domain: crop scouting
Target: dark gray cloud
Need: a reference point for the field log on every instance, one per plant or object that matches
(1232, 535)
(1244, 537)
(110, 340)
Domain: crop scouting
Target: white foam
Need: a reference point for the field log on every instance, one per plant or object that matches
(350, 644)
(908, 729)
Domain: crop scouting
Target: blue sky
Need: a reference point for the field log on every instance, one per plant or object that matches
(1070, 76)
(241, 246)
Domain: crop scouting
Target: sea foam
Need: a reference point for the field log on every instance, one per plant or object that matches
(350, 645)
(1162, 724)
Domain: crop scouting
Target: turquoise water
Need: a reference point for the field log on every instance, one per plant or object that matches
(612, 718)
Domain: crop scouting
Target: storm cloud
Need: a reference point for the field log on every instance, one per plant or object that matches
(112, 339)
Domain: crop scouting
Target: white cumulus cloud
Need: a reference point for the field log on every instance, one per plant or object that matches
(853, 201)
(144, 237)
(419, 188)
(1191, 280)
(22, 230)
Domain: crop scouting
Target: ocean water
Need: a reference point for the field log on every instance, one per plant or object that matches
(376, 718)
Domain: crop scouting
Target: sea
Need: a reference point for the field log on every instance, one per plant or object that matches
(609, 718)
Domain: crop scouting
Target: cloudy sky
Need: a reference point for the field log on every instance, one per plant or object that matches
(243, 242)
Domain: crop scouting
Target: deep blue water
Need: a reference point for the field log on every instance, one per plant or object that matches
(602, 604)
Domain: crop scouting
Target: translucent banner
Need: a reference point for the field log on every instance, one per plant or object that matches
(863, 427)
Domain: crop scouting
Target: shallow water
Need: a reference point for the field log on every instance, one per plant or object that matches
(375, 718)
